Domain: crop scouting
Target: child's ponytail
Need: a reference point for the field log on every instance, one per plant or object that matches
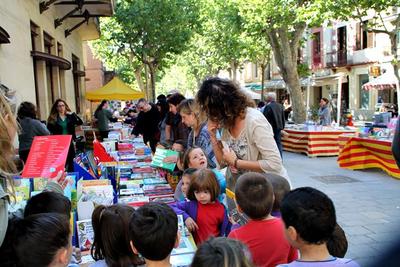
(97, 249)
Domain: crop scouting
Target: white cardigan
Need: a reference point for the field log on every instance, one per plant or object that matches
(261, 143)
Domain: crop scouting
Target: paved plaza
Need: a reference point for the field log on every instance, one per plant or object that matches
(367, 201)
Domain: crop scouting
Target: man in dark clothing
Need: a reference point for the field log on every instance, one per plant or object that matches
(147, 123)
(275, 115)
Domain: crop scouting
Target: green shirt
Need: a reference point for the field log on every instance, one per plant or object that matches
(63, 124)
(103, 118)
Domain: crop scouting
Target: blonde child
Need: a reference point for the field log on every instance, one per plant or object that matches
(195, 158)
(203, 214)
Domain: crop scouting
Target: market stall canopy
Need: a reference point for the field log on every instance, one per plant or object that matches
(385, 81)
(114, 90)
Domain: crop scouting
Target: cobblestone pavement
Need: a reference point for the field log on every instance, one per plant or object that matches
(367, 201)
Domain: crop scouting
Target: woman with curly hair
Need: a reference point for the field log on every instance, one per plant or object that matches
(247, 140)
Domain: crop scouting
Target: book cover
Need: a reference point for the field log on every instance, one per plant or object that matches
(85, 234)
(47, 156)
(160, 155)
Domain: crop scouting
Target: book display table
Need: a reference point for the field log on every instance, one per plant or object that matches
(312, 143)
(362, 153)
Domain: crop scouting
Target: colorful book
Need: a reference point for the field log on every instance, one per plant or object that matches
(85, 234)
(160, 155)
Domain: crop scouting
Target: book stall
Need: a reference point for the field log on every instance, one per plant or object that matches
(312, 140)
(119, 170)
(369, 147)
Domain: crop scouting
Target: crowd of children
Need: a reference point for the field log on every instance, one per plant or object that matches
(307, 234)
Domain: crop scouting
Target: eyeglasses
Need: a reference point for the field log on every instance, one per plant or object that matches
(61, 105)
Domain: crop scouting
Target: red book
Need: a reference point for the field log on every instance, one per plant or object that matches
(47, 156)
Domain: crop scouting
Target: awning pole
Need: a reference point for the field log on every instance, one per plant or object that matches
(339, 100)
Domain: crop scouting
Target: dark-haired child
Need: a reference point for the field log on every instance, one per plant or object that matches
(310, 220)
(263, 234)
(41, 240)
(46, 202)
(187, 178)
(280, 187)
(111, 243)
(221, 252)
(204, 215)
(153, 232)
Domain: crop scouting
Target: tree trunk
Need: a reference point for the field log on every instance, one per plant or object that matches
(395, 64)
(146, 78)
(285, 49)
(234, 66)
(263, 67)
(139, 78)
(152, 91)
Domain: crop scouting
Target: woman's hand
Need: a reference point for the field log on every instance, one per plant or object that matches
(171, 159)
(191, 224)
(229, 156)
(212, 128)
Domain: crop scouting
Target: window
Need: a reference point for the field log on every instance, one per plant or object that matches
(364, 39)
(34, 44)
(342, 46)
(364, 94)
(316, 47)
(75, 73)
(255, 70)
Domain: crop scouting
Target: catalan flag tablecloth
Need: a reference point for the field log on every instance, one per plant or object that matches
(363, 153)
(312, 143)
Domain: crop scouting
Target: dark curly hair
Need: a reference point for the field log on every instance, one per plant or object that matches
(26, 110)
(222, 100)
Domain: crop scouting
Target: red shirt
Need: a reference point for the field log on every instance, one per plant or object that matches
(209, 219)
(266, 242)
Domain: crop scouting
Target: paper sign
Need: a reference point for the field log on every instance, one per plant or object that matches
(47, 156)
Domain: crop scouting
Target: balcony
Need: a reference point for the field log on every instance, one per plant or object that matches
(336, 59)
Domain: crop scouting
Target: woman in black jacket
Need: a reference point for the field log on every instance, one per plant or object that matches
(62, 121)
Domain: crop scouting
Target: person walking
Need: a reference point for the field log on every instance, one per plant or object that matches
(275, 115)
(62, 121)
(147, 123)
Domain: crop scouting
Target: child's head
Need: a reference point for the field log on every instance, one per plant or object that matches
(221, 252)
(309, 216)
(187, 178)
(254, 195)
(337, 244)
(204, 187)
(42, 240)
(46, 202)
(179, 146)
(195, 158)
(153, 231)
(110, 225)
(280, 187)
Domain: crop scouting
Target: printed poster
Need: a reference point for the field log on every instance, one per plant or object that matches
(47, 156)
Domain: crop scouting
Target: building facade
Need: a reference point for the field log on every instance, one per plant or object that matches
(44, 58)
(342, 56)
